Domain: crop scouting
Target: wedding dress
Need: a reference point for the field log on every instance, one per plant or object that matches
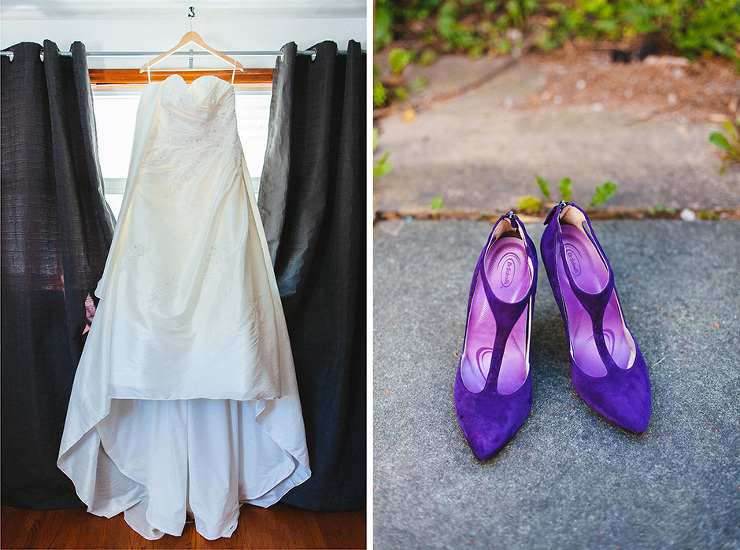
(185, 398)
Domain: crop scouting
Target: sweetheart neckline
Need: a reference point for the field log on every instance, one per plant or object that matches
(179, 78)
(177, 82)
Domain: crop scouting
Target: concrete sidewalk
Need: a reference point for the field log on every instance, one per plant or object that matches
(479, 153)
(568, 479)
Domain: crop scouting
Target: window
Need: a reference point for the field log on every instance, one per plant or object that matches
(115, 118)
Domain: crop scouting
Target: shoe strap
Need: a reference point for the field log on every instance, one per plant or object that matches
(595, 304)
(506, 314)
(557, 208)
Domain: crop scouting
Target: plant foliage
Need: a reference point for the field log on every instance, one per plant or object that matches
(437, 204)
(480, 26)
(530, 203)
(730, 143)
(381, 167)
(603, 193)
(566, 189)
(544, 187)
(399, 58)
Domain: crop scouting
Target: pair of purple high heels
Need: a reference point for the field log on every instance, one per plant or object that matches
(493, 387)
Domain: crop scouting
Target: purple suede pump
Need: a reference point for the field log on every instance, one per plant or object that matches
(493, 386)
(606, 365)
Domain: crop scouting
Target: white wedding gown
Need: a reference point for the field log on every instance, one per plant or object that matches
(185, 397)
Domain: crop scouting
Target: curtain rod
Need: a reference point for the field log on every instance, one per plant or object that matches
(9, 53)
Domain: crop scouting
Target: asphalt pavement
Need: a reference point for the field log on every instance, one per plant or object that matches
(568, 479)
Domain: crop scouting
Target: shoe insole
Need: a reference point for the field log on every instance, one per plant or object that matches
(591, 275)
(507, 269)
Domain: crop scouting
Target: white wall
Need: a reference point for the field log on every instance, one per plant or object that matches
(160, 32)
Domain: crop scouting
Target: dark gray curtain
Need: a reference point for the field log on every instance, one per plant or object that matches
(56, 231)
(312, 201)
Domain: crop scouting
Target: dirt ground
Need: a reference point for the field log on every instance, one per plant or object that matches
(705, 90)
(583, 75)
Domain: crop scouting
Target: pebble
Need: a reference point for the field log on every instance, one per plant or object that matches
(409, 114)
(688, 215)
(666, 60)
(514, 35)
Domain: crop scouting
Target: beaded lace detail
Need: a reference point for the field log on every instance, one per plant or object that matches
(259, 310)
(138, 250)
(214, 259)
(200, 119)
(161, 288)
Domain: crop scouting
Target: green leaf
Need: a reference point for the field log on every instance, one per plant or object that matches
(731, 130)
(375, 139)
(720, 140)
(566, 189)
(382, 166)
(603, 193)
(529, 203)
(401, 93)
(380, 94)
(427, 57)
(418, 84)
(383, 31)
(705, 215)
(544, 187)
(475, 51)
(447, 21)
(490, 6)
(437, 204)
(399, 58)
(657, 207)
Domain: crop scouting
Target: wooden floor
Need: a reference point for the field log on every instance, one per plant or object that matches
(280, 526)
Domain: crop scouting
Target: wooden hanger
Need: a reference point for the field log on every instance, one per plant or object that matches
(191, 37)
